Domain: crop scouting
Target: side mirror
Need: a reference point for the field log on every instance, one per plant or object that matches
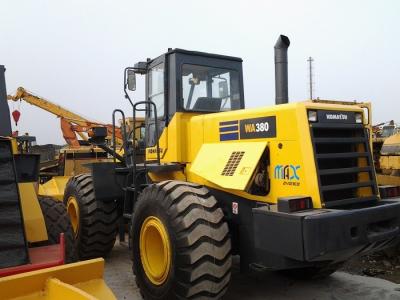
(131, 80)
(223, 89)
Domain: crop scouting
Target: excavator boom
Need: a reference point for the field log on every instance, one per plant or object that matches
(72, 124)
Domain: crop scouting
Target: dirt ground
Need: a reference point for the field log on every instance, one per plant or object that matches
(385, 265)
(267, 285)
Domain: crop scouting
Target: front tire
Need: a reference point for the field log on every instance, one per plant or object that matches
(94, 222)
(184, 222)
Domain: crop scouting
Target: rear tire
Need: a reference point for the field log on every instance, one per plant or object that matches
(57, 222)
(199, 242)
(96, 228)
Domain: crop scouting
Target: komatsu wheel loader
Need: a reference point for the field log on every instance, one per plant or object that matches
(36, 236)
(289, 187)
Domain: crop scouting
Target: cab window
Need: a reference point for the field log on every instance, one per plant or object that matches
(210, 89)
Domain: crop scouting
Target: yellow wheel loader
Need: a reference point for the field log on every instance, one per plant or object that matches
(36, 237)
(386, 146)
(290, 187)
(389, 161)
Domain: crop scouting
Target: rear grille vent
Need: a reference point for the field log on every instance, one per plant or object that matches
(232, 163)
(344, 164)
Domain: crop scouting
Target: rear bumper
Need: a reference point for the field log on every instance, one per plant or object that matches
(322, 235)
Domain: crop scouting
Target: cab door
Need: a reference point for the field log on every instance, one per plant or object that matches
(156, 92)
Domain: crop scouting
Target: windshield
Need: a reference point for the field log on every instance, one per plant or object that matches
(210, 89)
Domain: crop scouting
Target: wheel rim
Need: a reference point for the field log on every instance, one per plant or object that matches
(155, 251)
(73, 212)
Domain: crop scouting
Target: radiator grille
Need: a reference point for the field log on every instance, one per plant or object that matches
(344, 164)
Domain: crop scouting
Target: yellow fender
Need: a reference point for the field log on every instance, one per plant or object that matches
(35, 227)
(80, 281)
(54, 187)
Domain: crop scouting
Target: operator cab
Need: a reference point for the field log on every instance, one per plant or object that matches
(191, 82)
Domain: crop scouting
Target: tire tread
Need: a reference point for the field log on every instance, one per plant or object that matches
(98, 219)
(203, 245)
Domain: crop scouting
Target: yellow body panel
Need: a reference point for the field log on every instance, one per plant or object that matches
(390, 162)
(54, 187)
(186, 135)
(35, 227)
(75, 167)
(177, 136)
(390, 156)
(82, 280)
(388, 179)
(214, 160)
(392, 145)
(177, 175)
(14, 146)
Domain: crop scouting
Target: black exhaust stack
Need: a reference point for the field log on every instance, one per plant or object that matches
(281, 70)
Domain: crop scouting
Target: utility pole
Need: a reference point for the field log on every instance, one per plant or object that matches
(310, 70)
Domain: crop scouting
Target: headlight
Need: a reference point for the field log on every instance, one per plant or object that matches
(312, 116)
(359, 118)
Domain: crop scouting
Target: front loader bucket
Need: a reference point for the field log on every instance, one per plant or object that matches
(78, 281)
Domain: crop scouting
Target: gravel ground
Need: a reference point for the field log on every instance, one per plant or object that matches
(266, 285)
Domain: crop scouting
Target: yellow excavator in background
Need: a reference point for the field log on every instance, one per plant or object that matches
(72, 124)
(386, 145)
(71, 160)
(380, 132)
(389, 162)
(36, 236)
(74, 159)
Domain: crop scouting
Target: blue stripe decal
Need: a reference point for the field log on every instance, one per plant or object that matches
(228, 123)
(229, 128)
(229, 136)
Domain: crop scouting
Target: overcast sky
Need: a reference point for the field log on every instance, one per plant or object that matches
(74, 52)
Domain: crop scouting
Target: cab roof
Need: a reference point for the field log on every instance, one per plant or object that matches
(197, 53)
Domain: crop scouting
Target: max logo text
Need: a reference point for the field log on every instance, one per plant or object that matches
(287, 172)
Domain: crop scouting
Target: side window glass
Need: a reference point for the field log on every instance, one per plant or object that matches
(156, 88)
(155, 94)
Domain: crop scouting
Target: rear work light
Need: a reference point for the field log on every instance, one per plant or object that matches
(293, 204)
(359, 118)
(312, 116)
